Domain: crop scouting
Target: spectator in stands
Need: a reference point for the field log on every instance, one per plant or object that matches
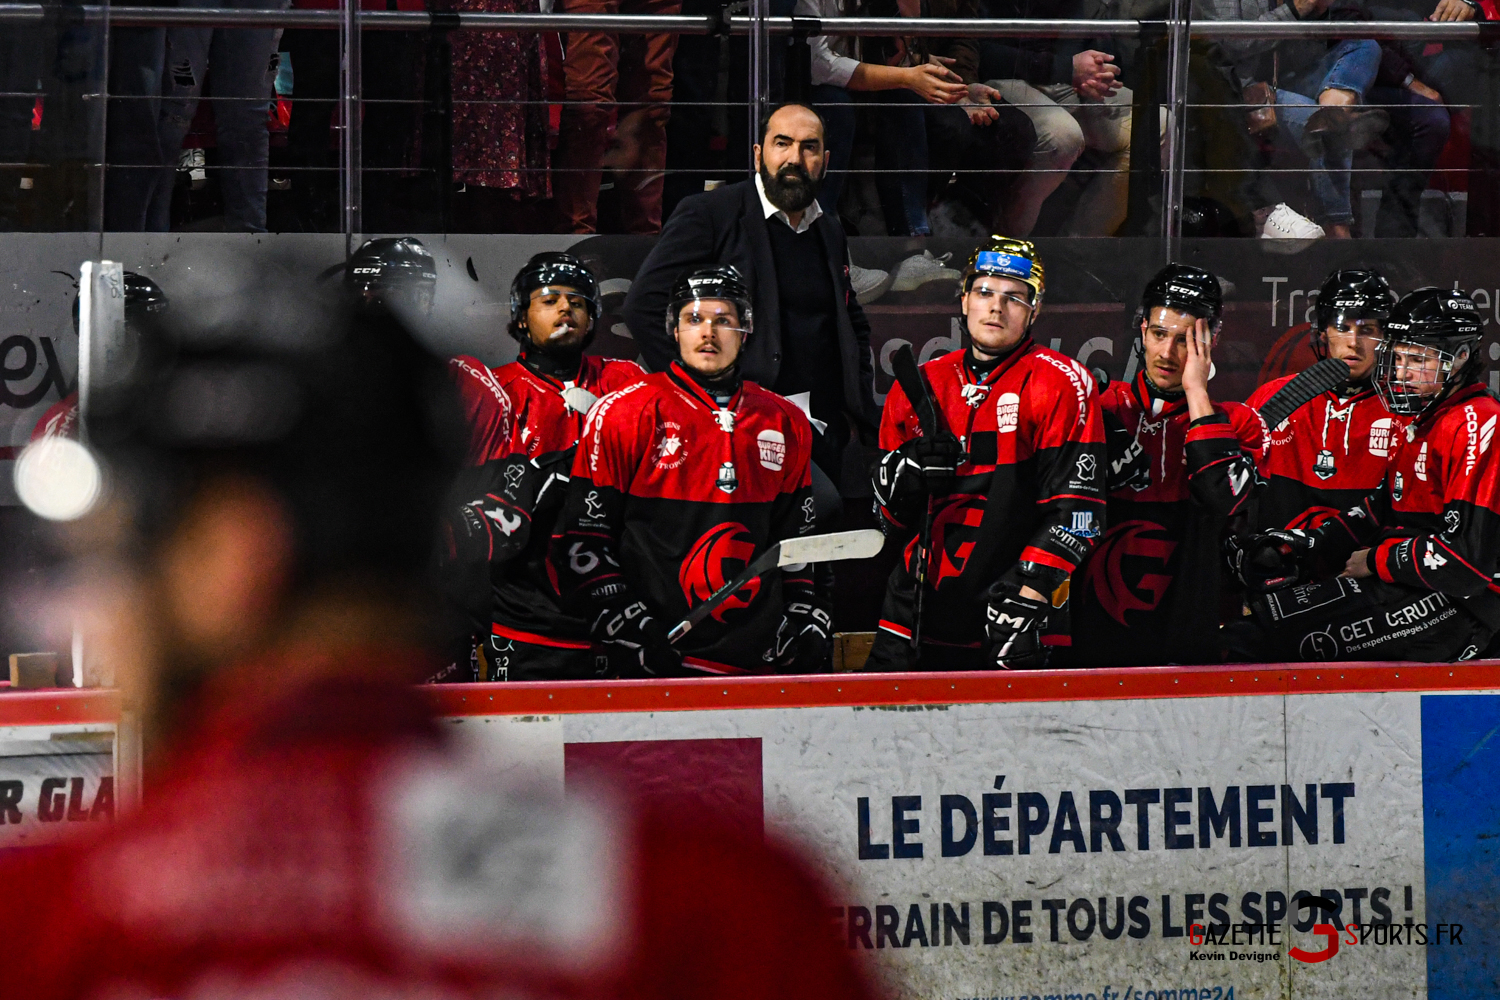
(929, 110)
(1072, 93)
(811, 335)
(601, 70)
(1419, 130)
(1318, 89)
(1414, 85)
(243, 63)
(133, 148)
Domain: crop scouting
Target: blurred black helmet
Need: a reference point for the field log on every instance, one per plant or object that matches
(358, 435)
(1350, 295)
(721, 282)
(145, 302)
(395, 272)
(1184, 287)
(552, 269)
(1445, 326)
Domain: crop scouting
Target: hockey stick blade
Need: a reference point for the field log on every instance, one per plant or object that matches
(814, 548)
(1330, 373)
(862, 544)
(914, 384)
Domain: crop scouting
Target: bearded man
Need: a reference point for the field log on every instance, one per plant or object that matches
(810, 334)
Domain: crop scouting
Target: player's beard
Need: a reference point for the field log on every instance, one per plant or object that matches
(791, 189)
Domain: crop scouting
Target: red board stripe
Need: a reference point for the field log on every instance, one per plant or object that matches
(65, 707)
(956, 688)
(59, 707)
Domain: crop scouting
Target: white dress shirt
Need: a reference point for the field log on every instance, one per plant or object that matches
(809, 215)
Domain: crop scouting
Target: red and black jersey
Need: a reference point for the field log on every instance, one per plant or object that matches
(1435, 523)
(1149, 593)
(60, 420)
(1326, 457)
(672, 495)
(1030, 487)
(325, 836)
(524, 425)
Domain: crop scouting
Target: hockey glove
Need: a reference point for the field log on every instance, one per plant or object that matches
(635, 642)
(920, 468)
(802, 641)
(1271, 560)
(1013, 629)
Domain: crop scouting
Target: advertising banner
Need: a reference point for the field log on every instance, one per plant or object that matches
(53, 782)
(1323, 845)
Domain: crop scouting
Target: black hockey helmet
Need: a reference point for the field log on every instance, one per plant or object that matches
(552, 268)
(1187, 288)
(397, 272)
(1446, 323)
(144, 301)
(721, 282)
(1179, 286)
(1349, 295)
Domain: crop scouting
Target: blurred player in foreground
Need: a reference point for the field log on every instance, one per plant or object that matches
(308, 828)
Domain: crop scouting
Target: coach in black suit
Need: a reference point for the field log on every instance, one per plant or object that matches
(810, 334)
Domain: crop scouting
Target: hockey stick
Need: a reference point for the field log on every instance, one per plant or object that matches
(1330, 373)
(813, 548)
(919, 394)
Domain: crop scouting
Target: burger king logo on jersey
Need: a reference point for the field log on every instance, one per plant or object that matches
(1007, 412)
(772, 445)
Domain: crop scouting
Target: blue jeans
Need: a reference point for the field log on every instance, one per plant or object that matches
(900, 154)
(1419, 131)
(1350, 66)
(241, 62)
(133, 137)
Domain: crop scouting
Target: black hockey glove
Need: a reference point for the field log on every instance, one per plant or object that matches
(919, 468)
(802, 641)
(1129, 465)
(1271, 560)
(635, 642)
(1013, 627)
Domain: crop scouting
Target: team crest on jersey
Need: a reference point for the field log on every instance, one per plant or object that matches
(713, 560)
(1135, 548)
(670, 449)
(1008, 412)
(1380, 437)
(772, 446)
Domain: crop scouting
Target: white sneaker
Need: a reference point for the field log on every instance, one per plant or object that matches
(1289, 231)
(869, 283)
(196, 164)
(919, 269)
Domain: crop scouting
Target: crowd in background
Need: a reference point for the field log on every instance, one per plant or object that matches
(240, 129)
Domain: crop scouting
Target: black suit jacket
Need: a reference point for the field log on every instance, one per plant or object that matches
(727, 226)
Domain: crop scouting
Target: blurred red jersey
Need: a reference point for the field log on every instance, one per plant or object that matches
(326, 839)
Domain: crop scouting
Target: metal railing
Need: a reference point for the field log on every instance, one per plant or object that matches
(1179, 30)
